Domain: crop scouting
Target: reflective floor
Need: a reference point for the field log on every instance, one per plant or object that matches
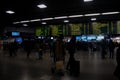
(92, 67)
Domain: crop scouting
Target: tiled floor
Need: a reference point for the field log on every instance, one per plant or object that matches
(92, 67)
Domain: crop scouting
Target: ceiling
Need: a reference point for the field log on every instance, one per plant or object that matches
(28, 10)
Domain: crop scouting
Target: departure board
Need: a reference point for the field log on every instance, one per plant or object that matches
(39, 31)
(54, 30)
(100, 28)
(75, 29)
(118, 27)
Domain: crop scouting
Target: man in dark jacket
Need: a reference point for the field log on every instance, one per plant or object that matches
(71, 51)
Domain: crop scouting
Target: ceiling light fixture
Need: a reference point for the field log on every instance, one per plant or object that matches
(42, 6)
(65, 17)
(73, 16)
(34, 20)
(25, 25)
(24, 21)
(10, 12)
(61, 17)
(44, 23)
(87, 0)
(107, 13)
(47, 19)
(66, 21)
(94, 14)
(93, 19)
(16, 22)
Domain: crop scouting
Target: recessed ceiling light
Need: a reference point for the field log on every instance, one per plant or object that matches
(87, 0)
(66, 21)
(107, 13)
(25, 25)
(44, 23)
(10, 12)
(42, 6)
(93, 19)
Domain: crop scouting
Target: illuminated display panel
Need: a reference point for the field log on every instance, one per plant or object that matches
(15, 33)
(100, 37)
(84, 38)
(78, 38)
(19, 40)
(91, 37)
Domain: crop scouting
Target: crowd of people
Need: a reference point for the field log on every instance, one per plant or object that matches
(58, 49)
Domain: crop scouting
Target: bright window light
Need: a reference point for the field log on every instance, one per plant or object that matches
(107, 13)
(94, 14)
(87, 0)
(66, 21)
(42, 6)
(10, 12)
(93, 19)
(47, 19)
(73, 16)
(44, 23)
(61, 17)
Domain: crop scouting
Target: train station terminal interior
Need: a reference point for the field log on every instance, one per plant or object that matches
(95, 25)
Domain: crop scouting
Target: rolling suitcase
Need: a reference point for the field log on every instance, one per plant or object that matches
(59, 65)
(75, 68)
(58, 68)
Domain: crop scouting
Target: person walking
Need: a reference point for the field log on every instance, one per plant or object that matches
(71, 51)
(59, 49)
(111, 49)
